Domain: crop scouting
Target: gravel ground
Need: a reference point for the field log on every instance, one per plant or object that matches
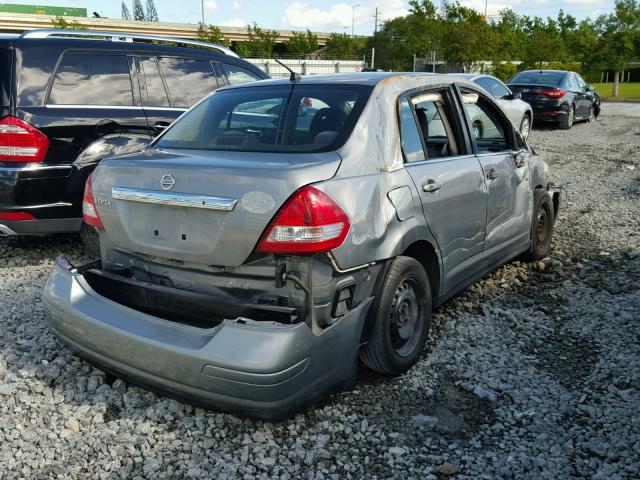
(534, 372)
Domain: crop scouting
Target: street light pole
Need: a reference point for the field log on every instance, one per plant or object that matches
(202, 5)
(353, 18)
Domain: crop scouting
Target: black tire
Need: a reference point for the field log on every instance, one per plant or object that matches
(592, 115)
(402, 317)
(567, 121)
(541, 226)
(90, 239)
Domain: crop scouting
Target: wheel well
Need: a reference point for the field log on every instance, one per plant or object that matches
(424, 252)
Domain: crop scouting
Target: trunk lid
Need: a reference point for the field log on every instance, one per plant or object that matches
(200, 207)
(533, 92)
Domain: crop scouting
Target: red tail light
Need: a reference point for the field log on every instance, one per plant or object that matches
(21, 142)
(555, 93)
(89, 212)
(309, 222)
(16, 216)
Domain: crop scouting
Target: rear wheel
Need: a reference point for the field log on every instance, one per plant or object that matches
(90, 239)
(525, 126)
(541, 226)
(567, 121)
(402, 319)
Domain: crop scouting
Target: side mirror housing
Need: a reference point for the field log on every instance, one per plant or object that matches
(591, 88)
(516, 96)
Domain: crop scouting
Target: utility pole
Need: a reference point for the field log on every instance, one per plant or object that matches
(375, 27)
(485, 9)
(202, 5)
(353, 18)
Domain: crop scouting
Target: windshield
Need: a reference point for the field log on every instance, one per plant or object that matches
(282, 118)
(553, 79)
(5, 77)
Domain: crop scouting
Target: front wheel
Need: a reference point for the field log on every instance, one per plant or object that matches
(541, 226)
(402, 319)
(592, 114)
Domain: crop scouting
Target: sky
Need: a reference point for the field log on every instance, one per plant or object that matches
(318, 15)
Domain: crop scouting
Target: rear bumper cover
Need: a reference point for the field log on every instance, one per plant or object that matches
(261, 369)
(549, 112)
(40, 227)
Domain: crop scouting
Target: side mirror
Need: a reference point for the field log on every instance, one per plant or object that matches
(516, 96)
(591, 88)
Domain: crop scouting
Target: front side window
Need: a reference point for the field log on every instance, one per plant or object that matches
(237, 75)
(490, 129)
(92, 79)
(187, 80)
(409, 134)
(284, 118)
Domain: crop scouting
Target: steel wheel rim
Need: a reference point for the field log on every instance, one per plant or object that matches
(525, 128)
(542, 226)
(404, 324)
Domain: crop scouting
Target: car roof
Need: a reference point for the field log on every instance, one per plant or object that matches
(545, 71)
(362, 78)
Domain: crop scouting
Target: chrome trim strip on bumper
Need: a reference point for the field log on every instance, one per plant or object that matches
(30, 167)
(173, 199)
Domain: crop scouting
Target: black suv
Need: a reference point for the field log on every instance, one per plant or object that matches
(70, 98)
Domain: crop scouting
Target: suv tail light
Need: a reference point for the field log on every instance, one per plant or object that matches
(89, 212)
(309, 222)
(555, 93)
(21, 142)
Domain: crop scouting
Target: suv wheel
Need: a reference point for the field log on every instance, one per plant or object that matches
(541, 226)
(567, 122)
(402, 319)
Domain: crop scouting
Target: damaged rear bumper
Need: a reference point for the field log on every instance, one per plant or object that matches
(258, 368)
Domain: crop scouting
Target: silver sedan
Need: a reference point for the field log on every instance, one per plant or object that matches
(518, 111)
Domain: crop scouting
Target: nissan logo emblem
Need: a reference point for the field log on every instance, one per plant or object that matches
(167, 181)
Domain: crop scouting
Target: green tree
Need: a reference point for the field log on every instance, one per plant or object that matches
(470, 39)
(260, 44)
(619, 40)
(138, 11)
(302, 43)
(125, 12)
(543, 44)
(152, 13)
(63, 24)
(343, 45)
(211, 34)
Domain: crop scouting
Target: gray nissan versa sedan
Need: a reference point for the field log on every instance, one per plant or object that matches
(279, 230)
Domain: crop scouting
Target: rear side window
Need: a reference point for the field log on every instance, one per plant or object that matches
(282, 118)
(152, 88)
(237, 75)
(188, 80)
(95, 79)
(5, 77)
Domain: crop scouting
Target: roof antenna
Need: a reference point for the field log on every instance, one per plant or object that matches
(294, 77)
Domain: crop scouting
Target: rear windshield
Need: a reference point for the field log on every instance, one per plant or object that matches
(553, 79)
(5, 77)
(283, 118)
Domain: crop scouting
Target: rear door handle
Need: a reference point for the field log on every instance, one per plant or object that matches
(492, 175)
(431, 186)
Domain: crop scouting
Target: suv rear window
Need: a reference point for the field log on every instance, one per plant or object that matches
(283, 118)
(5, 77)
(92, 79)
(553, 79)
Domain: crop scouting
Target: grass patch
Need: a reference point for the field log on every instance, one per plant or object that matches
(627, 91)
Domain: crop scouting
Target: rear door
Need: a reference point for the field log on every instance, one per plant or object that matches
(171, 85)
(506, 174)
(91, 95)
(236, 74)
(448, 178)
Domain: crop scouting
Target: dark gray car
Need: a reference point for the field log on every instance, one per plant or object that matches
(279, 230)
